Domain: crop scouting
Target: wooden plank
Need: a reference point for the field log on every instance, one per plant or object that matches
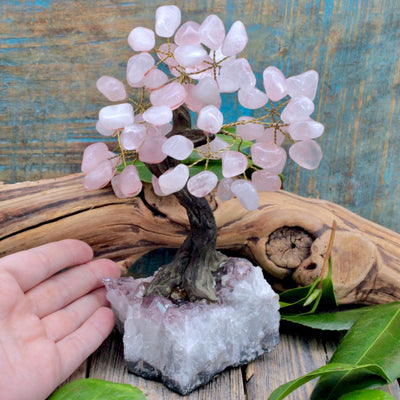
(295, 356)
(108, 363)
(53, 51)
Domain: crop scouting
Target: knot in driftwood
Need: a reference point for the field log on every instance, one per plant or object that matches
(288, 247)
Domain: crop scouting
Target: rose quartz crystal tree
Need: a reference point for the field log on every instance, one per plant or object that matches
(180, 72)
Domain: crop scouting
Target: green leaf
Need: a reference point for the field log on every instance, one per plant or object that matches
(297, 296)
(316, 294)
(340, 320)
(213, 166)
(367, 395)
(373, 339)
(362, 371)
(297, 300)
(244, 144)
(328, 298)
(96, 389)
(144, 173)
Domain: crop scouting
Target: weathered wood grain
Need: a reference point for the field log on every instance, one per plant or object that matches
(53, 51)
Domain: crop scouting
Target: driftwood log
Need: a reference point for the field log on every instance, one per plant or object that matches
(287, 236)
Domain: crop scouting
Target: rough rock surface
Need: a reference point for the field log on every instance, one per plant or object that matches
(185, 344)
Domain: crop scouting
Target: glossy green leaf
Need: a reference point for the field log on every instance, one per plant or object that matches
(244, 144)
(297, 297)
(362, 371)
(328, 298)
(339, 320)
(367, 395)
(96, 389)
(373, 339)
(213, 166)
(316, 294)
(144, 173)
(309, 299)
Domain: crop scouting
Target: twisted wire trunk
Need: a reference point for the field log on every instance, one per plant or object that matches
(191, 268)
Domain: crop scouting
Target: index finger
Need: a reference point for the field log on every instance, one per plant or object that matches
(30, 267)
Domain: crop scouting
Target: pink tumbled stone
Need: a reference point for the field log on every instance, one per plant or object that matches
(298, 109)
(188, 33)
(304, 130)
(236, 39)
(249, 131)
(115, 187)
(214, 150)
(233, 163)
(306, 153)
(141, 39)
(153, 130)
(138, 66)
(269, 156)
(93, 155)
(212, 32)
(168, 18)
(150, 151)
(245, 74)
(174, 179)
(265, 181)
(226, 81)
(271, 135)
(132, 136)
(178, 147)
(207, 92)
(190, 55)
(102, 130)
(304, 84)
(165, 53)
(158, 115)
(172, 95)
(99, 176)
(156, 186)
(116, 116)
(192, 102)
(246, 193)
(210, 119)
(202, 183)
(234, 75)
(251, 97)
(155, 79)
(275, 83)
(165, 128)
(139, 118)
(224, 191)
(111, 88)
(129, 181)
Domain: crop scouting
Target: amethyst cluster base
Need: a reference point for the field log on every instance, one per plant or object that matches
(185, 345)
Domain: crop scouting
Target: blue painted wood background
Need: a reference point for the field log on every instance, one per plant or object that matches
(53, 51)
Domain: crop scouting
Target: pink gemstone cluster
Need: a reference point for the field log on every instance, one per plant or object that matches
(195, 68)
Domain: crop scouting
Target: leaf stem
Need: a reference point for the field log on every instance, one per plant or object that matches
(328, 254)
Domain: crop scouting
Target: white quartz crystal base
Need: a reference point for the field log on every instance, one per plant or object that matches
(185, 345)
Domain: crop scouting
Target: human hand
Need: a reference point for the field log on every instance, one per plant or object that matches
(50, 323)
